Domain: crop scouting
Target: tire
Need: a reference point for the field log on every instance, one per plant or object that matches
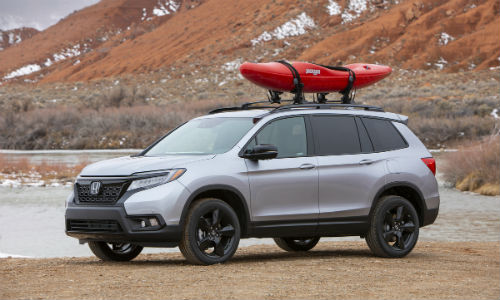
(394, 227)
(115, 251)
(211, 233)
(296, 244)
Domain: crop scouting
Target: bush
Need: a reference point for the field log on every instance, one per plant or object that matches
(87, 128)
(475, 167)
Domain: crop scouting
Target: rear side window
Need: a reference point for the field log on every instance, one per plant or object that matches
(384, 135)
(335, 135)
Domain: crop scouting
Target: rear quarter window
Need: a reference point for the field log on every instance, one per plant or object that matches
(383, 135)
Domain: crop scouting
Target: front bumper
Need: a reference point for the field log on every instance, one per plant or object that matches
(124, 229)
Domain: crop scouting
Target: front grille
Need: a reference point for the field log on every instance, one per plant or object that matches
(94, 226)
(109, 193)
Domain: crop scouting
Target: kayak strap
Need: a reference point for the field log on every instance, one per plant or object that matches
(298, 85)
(346, 98)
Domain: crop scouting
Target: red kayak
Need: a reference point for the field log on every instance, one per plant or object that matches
(277, 76)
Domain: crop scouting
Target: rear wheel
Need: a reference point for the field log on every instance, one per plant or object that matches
(296, 244)
(115, 251)
(393, 228)
(211, 234)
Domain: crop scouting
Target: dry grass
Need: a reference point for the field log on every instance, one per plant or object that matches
(87, 128)
(475, 167)
(444, 109)
(44, 171)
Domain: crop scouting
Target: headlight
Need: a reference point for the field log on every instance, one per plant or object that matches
(156, 180)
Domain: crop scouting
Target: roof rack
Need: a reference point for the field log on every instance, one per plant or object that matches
(310, 105)
(327, 105)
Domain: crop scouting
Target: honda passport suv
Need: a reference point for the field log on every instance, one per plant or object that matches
(295, 173)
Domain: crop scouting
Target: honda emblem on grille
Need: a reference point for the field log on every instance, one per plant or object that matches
(95, 187)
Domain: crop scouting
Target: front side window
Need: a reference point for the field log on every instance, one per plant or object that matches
(203, 136)
(288, 135)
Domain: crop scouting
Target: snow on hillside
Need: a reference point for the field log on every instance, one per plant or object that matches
(354, 10)
(293, 27)
(28, 69)
(11, 38)
(333, 8)
(64, 54)
(170, 6)
(67, 53)
(444, 39)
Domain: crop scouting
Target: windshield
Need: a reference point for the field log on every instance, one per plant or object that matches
(203, 136)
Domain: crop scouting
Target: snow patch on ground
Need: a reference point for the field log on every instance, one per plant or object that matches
(11, 38)
(67, 53)
(354, 10)
(444, 39)
(333, 8)
(441, 63)
(28, 69)
(165, 8)
(7, 255)
(32, 178)
(294, 27)
(494, 113)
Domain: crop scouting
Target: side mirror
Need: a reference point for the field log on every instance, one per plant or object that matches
(261, 152)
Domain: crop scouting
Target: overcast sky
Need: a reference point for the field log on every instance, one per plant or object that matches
(39, 14)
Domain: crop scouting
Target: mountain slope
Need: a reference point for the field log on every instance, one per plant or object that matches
(78, 33)
(421, 34)
(118, 37)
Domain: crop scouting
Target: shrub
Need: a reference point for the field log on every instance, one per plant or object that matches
(475, 167)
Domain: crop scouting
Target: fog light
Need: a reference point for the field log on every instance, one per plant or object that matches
(153, 222)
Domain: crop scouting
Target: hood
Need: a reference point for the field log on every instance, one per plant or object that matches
(128, 165)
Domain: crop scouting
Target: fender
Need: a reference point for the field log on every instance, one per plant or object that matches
(422, 207)
(219, 187)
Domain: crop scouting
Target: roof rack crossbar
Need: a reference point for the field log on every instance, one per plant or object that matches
(244, 106)
(327, 105)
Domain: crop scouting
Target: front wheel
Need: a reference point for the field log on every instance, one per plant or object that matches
(393, 228)
(296, 244)
(211, 234)
(115, 251)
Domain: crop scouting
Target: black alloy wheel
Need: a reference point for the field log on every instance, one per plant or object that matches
(394, 227)
(297, 244)
(115, 251)
(398, 228)
(211, 234)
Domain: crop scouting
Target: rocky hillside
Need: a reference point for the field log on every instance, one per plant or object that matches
(15, 36)
(207, 38)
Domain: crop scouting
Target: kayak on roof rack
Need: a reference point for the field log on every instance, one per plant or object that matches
(302, 77)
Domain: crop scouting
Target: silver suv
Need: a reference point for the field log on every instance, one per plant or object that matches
(293, 173)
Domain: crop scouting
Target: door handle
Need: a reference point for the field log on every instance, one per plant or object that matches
(366, 162)
(307, 166)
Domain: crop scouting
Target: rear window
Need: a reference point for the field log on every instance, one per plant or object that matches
(335, 135)
(384, 135)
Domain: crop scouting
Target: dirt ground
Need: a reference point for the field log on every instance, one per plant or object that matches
(341, 270)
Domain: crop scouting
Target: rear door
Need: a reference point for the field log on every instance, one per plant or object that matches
(284, 190)
(349, 171)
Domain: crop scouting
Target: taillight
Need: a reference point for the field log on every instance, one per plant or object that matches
(430, 163)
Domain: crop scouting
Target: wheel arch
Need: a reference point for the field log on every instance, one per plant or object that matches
(226, 193)
(406, 190)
